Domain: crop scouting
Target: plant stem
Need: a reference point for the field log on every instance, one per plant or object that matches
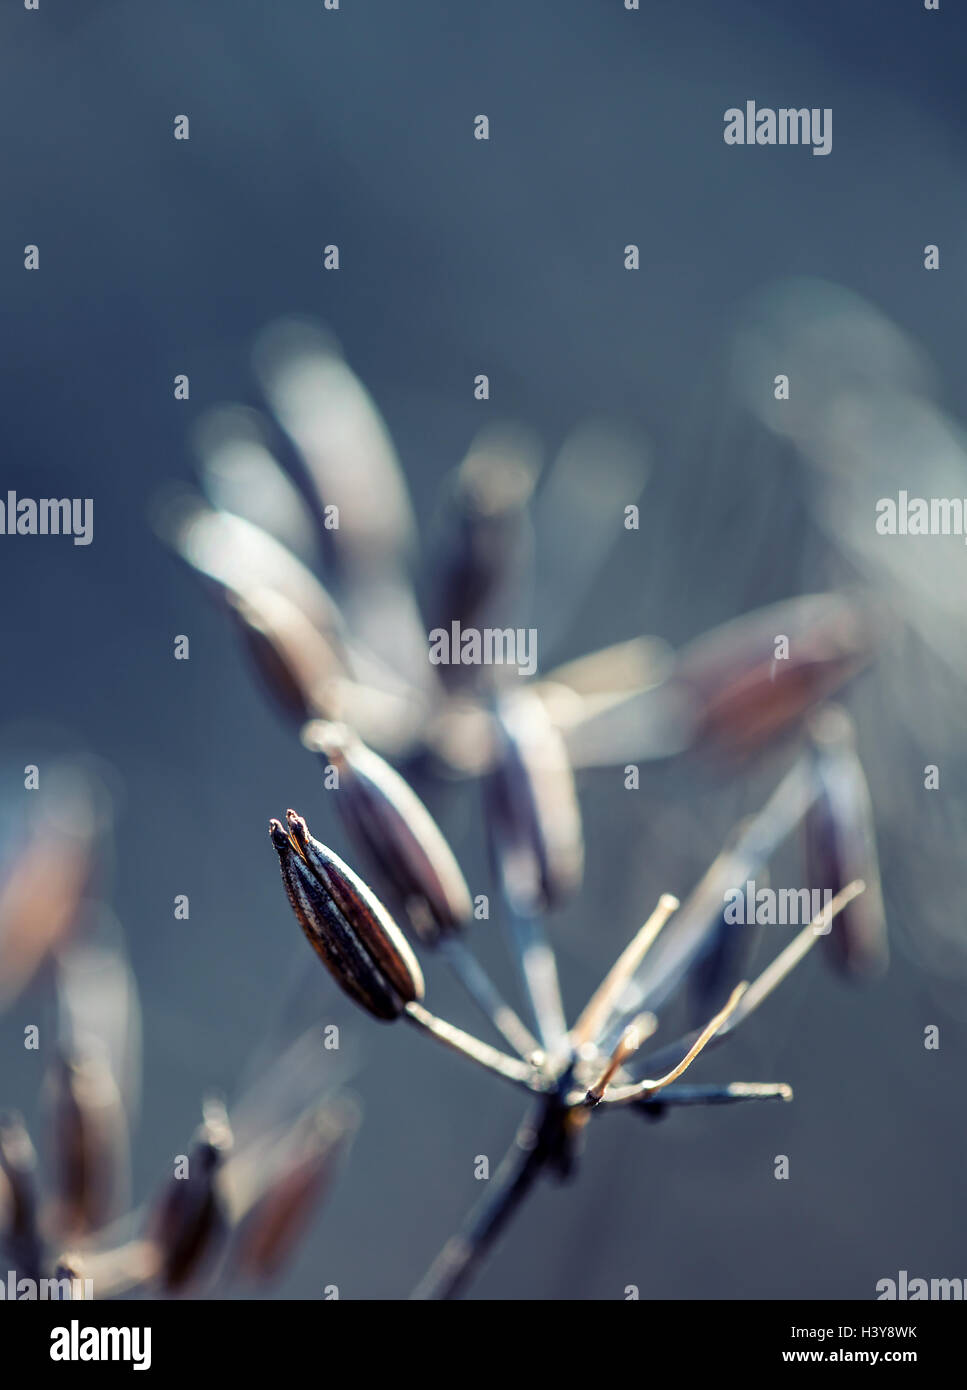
(487, 997)
(538, 969)
(462, 1255)
(510, 1068)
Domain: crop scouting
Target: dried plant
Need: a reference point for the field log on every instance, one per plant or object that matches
(351, 669)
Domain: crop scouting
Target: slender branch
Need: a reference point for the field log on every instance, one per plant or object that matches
(621, 1095)
(757, 841)
(607, 996)
(510, 1068)
(716, 1095)
(487, 997)
(538, 969)
(462, 1255)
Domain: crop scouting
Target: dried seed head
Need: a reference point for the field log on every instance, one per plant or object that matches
(745, 694)
(90, 1141)
(533, 815)
(189, 1222)
(392, 824)
(841, 846)
(346, 924)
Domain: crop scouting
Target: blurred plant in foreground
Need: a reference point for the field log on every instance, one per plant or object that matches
(241, 1193)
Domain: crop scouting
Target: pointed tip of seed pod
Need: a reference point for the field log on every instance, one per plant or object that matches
(298, 829)
(279, 837)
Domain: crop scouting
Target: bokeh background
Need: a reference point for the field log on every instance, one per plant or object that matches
(160, 257)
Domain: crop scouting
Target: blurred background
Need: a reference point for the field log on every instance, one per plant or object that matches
(160, 257)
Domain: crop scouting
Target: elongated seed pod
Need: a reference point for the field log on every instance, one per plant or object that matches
(402, 839)
(346, 924)
(90, 1141)
(532, 806)
(746, 687)
(298, 1182)
(841, 846)
(297, 664)
(489, 539)
(189, 1222)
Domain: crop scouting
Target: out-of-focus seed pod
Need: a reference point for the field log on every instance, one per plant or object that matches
(18, 1195)
(402, 839)
(238, 558)
(342, 440)
(189, 1222)
(489, 533)
(42, 894)
(348, 927)
(532, 809)
(841, 846)
(300, 1180)
(744, 694)
(90, 1141)
(298, 665)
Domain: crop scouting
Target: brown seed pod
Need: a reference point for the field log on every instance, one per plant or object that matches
(189, 1221)
(744, 695)
(403, 841)
(279, 1217)
(90, 1141)
(346, 924)
(532, 809)
(298, 665)
(841, 846)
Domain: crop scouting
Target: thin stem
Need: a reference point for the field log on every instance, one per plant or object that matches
(718, 1095)
(463, 1253)
(631, 1039)
(510, 1068)
(787, 959)
(538, 969)
(607, 996)
(621, 1095)
(757, 841)
(487, 997)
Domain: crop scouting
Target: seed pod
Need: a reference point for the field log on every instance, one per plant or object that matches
(300, 1179)
(346, 924)
(744, 694)
(298, 665)
(90, 1141)
(490, 534)
(392, 824)
(841, 847)
(189, 1222)
(532, 809)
